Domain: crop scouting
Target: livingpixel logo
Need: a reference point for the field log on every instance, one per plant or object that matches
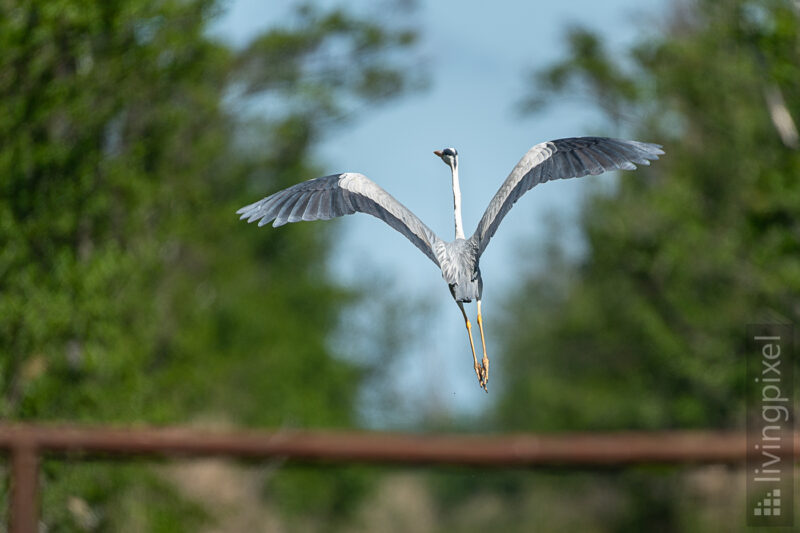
(770, 425)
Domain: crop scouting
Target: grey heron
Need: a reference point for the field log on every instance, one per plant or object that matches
(347, 193)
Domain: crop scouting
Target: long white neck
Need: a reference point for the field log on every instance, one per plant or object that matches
(457, 203)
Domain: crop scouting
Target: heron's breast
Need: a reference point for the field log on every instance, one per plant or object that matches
(459, 261)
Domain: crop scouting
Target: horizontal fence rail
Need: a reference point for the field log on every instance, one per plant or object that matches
(25, 443)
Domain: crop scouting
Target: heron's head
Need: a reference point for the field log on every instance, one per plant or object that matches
(449, 156)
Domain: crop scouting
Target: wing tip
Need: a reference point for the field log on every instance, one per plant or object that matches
(250, 215)
(650, 148)
(249, 210)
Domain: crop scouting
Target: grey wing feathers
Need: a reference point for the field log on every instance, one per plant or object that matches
(563, 158)
(337, 195)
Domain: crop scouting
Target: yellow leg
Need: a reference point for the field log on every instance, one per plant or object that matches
(478, 368)
(485, 360)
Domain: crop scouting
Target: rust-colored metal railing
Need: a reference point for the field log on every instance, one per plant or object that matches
(26, 443)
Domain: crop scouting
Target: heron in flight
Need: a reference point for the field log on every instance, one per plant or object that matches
(344, 194)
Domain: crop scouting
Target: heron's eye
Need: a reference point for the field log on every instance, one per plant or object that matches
(449, 151)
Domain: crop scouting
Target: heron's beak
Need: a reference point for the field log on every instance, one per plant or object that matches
(438, 153)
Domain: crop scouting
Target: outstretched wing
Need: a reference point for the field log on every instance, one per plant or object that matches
(559, 159)
(338, 195)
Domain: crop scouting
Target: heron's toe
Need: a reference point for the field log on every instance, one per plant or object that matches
(483, 378)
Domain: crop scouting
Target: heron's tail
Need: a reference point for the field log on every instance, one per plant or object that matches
(467, 289)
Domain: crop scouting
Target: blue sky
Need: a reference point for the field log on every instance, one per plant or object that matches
(477, 58)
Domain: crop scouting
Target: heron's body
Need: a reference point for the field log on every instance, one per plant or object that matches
(458, 260)
(343, 194)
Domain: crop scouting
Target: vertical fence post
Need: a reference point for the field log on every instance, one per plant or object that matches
(24, 513)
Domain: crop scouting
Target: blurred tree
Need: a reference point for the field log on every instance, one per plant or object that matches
(646, 329)
(130, 290)
(682, 255)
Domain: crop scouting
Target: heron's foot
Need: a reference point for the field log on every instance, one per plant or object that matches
(483, 375)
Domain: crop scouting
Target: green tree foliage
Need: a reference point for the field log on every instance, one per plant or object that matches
(646, 330)
(130, 291)
(681, 255)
